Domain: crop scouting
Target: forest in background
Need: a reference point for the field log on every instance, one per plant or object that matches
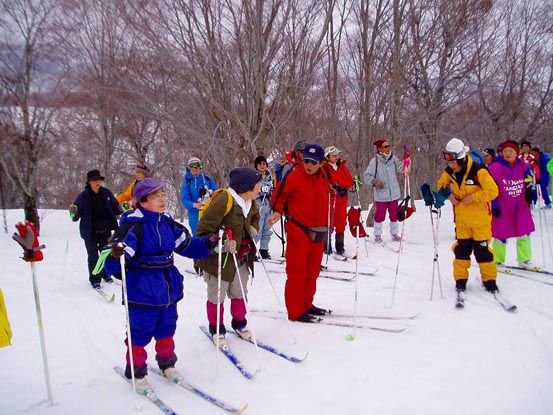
(107, 83)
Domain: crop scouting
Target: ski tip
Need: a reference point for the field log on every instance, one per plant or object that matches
(241, 411)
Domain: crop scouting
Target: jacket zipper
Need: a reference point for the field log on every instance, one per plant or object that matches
(165, 272)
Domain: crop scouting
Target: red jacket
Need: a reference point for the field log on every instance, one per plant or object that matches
(341, 178)
(303, 197)
(531, 160)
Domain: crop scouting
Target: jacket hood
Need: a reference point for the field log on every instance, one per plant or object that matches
(141, 215)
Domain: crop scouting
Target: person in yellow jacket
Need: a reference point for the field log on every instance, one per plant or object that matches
(125, 199)
(472, 190)
(5, 330)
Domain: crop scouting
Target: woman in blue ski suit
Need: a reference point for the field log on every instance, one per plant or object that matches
(196, 190)
(154, 284)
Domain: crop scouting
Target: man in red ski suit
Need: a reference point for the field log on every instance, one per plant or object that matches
(340, 180)
(302, 197)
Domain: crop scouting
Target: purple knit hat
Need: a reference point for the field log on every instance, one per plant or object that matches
(144, 187)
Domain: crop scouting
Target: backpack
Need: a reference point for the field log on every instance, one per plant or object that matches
(278, 171)
(215, 193)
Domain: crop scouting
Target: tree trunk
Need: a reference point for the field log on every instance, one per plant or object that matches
(31, 211)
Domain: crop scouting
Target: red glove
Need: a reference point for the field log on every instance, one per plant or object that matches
(28, 239)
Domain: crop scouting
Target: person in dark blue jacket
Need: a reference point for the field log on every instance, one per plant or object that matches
(196, 189)
(148, 237)
(97, 208)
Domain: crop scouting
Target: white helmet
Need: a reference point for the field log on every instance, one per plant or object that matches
(332, 151)
(455, 150)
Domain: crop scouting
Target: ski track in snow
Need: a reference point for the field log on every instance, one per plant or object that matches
(497, 362)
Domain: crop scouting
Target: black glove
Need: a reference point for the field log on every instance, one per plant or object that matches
(529, 194)
(117, 249)
(496, 212)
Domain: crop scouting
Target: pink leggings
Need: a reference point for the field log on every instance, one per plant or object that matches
(382, 207)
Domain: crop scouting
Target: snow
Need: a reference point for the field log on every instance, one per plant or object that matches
(480, 360)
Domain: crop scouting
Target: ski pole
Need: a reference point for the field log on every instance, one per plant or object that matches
(229, 235)
(328, 232)
(27, 238)
(280, 306)
(351, 337)
(129, 339)
(406, 196)
(542, 227)
(219, 276)
(361, 217)
(282, 239)
(41, 334)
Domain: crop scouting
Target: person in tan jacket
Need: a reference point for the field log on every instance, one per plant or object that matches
(235, 210)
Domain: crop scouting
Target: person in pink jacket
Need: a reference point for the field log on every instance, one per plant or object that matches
(511, 209)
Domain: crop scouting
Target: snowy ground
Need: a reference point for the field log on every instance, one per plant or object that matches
(480, 360)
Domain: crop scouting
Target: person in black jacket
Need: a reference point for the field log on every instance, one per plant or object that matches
(97, 209)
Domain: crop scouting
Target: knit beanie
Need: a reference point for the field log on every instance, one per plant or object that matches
(243, 179)
(512, 144)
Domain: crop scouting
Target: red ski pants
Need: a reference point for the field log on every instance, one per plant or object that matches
(303, 264)
(338, 217)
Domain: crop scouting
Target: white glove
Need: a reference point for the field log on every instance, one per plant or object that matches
(253, 232)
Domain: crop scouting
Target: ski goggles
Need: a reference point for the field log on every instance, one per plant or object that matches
(195, 166)
(450, 156)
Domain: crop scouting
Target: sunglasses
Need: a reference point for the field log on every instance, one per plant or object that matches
(195, 166)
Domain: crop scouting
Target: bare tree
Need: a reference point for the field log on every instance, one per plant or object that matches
(26, 96)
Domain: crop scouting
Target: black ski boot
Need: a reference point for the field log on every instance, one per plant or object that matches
(264, 254)
(316, 311)
(339, 243)
(491, 286)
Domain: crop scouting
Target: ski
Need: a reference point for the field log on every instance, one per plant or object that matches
(361, 326)
(460, 301)
(374, 317)
(230, 356)
(336, 278)
(535, 269)
(345, 315)
(506, 304)
(320, 320)
(530, 277)
(192, 272)
(181, 383)
(274, 350)
(151, 395)
(274, 261)
(369, 273)
(105, 296)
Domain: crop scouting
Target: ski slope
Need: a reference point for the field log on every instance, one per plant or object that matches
(479, 360)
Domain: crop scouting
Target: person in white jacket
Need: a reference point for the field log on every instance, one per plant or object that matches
(381, 175)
